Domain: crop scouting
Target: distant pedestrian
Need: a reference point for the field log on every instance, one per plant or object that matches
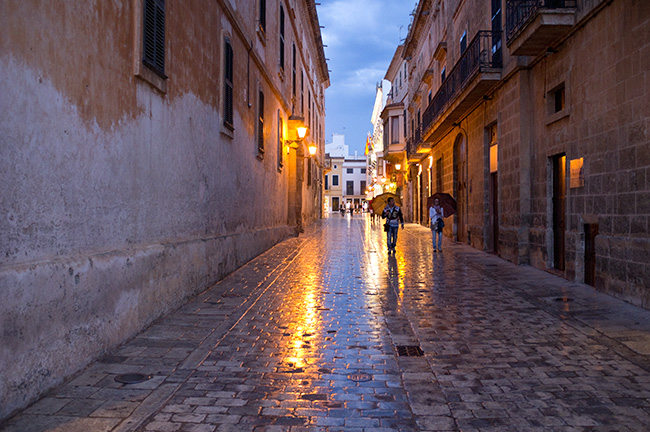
(436, 223)
(394, 217)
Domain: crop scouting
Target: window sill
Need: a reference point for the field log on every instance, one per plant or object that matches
(558, 116)
(227, 131)
(152, 78)
(261, 34)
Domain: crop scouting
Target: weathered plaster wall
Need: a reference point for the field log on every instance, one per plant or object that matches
(117, 202)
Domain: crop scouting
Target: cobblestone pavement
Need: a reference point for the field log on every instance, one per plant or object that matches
(321, 333)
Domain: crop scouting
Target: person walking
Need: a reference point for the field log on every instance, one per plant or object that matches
(436, 223)
(393, 216)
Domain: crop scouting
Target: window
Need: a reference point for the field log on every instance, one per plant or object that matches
(443, 75)
(281, 38)
(385, 134)
(327, 182)
(558, 99)
(153, 49)
(558, 102)
(363, 170)
(350, 170)
(363, 187)
(228, 85)
(463, 42)
(394, 130)
(293, 71)
(335, 180)
(280, 131)
(439, 175)
(404, 123)
(263, 15)
(302, 92)
(309, 171)
(349, 187)
(260, 123)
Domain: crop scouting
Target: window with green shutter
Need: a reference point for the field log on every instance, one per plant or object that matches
(228, 85)
(154, 36)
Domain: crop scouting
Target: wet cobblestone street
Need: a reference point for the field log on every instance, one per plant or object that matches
(321, 333)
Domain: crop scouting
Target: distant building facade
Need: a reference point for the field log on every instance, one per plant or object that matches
(347, 180)
(534, 116)
(148, 149)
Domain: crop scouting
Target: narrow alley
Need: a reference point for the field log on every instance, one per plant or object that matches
(326, 332)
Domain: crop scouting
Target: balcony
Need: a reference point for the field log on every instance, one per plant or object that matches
(395, 152)
(477, 71)
(414, 146)
(532, 26)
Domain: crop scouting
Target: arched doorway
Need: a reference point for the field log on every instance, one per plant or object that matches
(460, 187)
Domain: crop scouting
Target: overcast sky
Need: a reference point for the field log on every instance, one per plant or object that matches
(361, 38)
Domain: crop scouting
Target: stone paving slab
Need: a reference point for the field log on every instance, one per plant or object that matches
(307, 337)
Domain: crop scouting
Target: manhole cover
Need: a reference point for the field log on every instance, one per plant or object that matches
(133, 378)
(409, 351)
(360, 377)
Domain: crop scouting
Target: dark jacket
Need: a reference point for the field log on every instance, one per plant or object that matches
(393, 217)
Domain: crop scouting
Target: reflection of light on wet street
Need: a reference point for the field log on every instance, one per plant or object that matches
(328, 332)
(305, 321)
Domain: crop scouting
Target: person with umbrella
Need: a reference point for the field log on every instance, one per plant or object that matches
(393, 216)
(436, 213)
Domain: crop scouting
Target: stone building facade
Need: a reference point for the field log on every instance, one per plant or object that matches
(148, 149)
(535, 117)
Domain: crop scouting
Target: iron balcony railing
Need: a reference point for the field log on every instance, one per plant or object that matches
(519, 12)
(483, 52)
(413, 142)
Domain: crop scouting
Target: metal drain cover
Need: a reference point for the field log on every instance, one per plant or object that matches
(132, 378)
(360, 377)
(409, 351)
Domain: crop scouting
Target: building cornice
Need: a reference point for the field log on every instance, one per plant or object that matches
(420, 16)
(318, 38)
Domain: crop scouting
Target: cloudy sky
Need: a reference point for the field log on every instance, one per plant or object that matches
(361, 38)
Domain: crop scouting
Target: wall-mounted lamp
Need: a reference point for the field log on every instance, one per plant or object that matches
(398, 167)
(298, 129)
(312, 149)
